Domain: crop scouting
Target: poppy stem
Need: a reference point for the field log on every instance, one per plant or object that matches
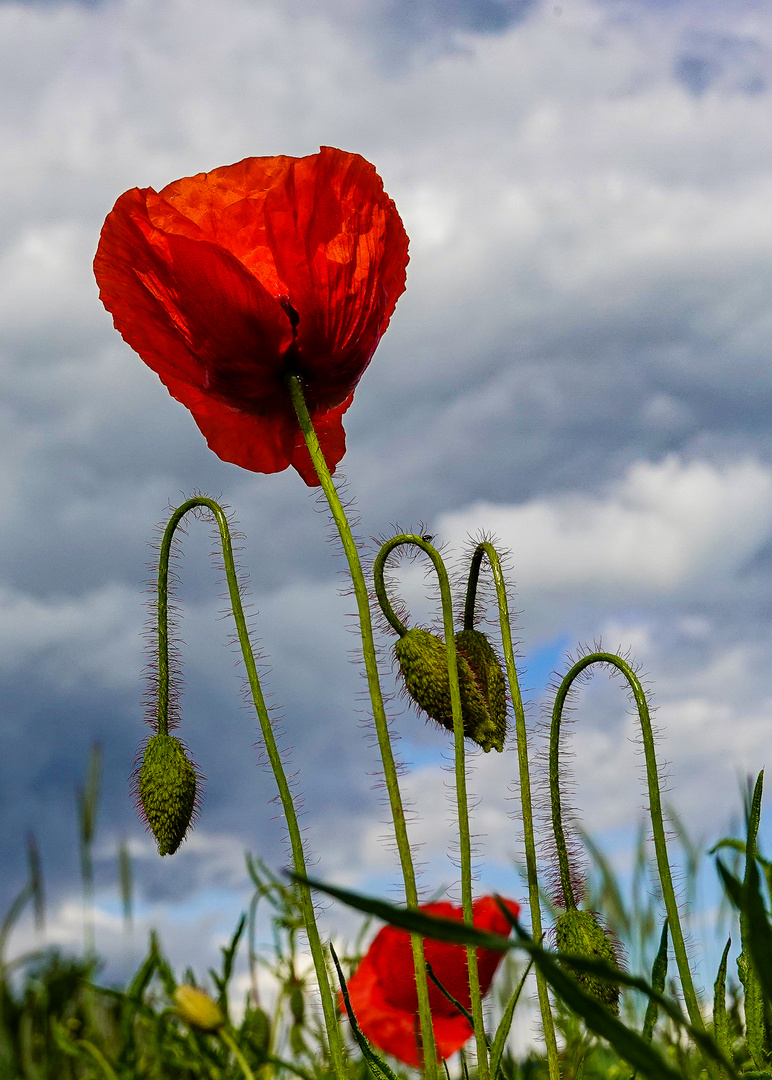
(285, 794)
(379, 712)
(486, 550)
(465, 845)
(655, 812)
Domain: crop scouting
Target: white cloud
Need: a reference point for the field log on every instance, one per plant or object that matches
(663, 528)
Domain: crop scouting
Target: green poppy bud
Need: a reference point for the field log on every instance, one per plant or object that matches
(423, 663)
(256, 1030)
(478, 652)
(167, 791)
(580, 932)
(297, 1001)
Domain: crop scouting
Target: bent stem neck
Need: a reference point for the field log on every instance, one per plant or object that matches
(379, 712)
(655, 812)
(465, 846)
(486, 550)
(266, 728)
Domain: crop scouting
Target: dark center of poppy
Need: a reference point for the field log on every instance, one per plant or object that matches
(291, 313)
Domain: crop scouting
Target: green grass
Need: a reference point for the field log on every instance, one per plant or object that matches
(58, 1023)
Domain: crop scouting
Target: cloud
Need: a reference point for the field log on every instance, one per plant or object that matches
(663, 528)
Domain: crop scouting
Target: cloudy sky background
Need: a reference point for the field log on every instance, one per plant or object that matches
(581, 364)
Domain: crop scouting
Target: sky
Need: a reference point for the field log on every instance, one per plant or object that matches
(581, 365)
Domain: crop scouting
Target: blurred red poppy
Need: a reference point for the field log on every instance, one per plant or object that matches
(383, 992)
(228, 281)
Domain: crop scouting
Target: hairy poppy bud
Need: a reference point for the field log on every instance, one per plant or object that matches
(197, 1008)
(478, 652)
(424, 665)
(256, 1030)
(580, 932)
(297, 1002)
(167, 791)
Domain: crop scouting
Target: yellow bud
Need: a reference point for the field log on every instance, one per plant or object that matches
(197, 1008)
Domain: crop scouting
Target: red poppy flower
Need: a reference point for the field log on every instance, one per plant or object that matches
(228, 281)
(383, 992)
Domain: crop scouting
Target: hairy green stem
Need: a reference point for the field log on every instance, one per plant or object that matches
(486, 550)
(379, 712)
(655, 812)
(459, 757)
(285, 794)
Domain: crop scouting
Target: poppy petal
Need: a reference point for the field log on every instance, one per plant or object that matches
(346, 280)
(227, 282)
(383, 990)
(191, 310)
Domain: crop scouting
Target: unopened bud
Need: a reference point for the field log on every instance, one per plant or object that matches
(197, 1008)
(167, 791)
(297, 1002)
(581, 933)
(423, 662)
(478, 652)
(256, 1028)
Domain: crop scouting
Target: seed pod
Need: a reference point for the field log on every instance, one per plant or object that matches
(424, 666)
(580, 932)
(167, 791)
(197, 1008)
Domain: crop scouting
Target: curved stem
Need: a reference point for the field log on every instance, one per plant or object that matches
(655, 812)
(564, 866)
(459, 757)
(486, 550)
(379, 713)
(293, 828)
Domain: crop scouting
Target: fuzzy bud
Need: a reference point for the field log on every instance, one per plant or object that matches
(197, 1008)
(581, 933)
(297, 1001)
(424, 666)
(256, 1029)
(478, 652)
(167, 791)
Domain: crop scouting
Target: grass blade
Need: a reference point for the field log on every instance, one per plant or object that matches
(378, 1067)
(720, 1018)
(502, 1031)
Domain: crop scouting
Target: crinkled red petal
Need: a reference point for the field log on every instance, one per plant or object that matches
(191, 310)
(227, 281)
(340, 249)
(383, 991)
(395, 1030)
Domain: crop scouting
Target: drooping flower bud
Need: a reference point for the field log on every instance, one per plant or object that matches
(256, 1031)
(478, 652)
(581, 933)
(167, 791)
(424, 666)
(297, 1001)
(197, 1008)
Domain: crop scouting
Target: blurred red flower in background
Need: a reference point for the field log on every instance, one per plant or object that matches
(383, 991)
(228, 281)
